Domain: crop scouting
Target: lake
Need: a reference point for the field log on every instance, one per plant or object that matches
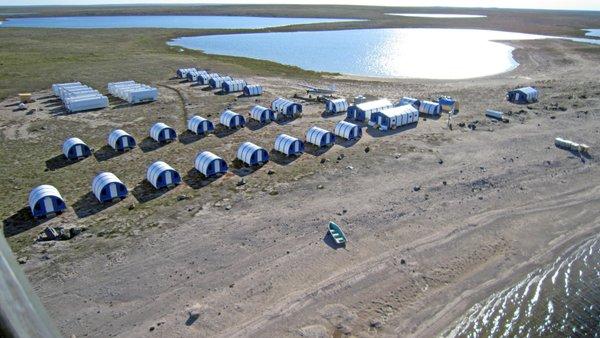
(592, 32)
(396, 52)
(161, 21)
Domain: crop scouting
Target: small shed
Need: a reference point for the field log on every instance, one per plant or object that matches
(217, 82)
(335, 106)
(394, 117)
(161, 175)
(251, 154)
(286, 107)
(233, 86)
(262, 114)
(363, 111)
(120, 140)
(200, 125)
(108, 187)
(161, 132)
(429, 108)
(319, 137)
(409, 100)
(45, 200)
(232, 119)
(347, 130)
(522, 95)
(210, 164)
(253, 90)
(75, 149)
(288, 145)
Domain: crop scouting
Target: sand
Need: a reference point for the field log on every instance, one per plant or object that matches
(493, 204)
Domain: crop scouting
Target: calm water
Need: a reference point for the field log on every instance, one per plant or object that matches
(559, 300)
(592, 32)
(439, 16)
(161, 21)
(412, 53)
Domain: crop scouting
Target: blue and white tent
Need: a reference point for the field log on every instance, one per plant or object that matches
(45, 200)
(429, 108)
(288, 145)
(200, 125)
(262, 114)
(182, 72)
(204, 78)
(232, 119)
(75, 148)
(522, 95)
(319, 137)
(210, 164)
(108, 187)
(120, 140)
(251, 154)
(193, 75)
(335, 106)
(447, 103)
(160, 132)
(253, 90)
(409, 100)
(347, 130)
(232, 86)
(217, 82)
(394, 117)
(161, 175)
(286, 107)
(363, 111)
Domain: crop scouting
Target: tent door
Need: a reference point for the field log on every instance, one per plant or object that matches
(259, 156)
(296, 147)
(112, 188)
(217, 166)
(167, 134)
(379, 120)
(125, 141)
(78, 150)
(168, 178)
(48, 205)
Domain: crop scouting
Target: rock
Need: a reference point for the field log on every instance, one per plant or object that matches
(350, 167)
(241, 182)
(552, 117)
(340, 157)
(151, 328)
(64, 235)
(131, 206)
(471, 126)
(270, 172)
(416, 188)
(397, 156)
(367, 149)
(440, 161)
(344, 211)
(323, 160)
(22, 260)
(461, 124)
(183, 197)
(444, 182)
(402, 261)
(273, 192)
(228, 207)
(375, 324)
(231, 285)
(320, 186)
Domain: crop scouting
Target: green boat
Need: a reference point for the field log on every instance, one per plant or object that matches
(337, 234)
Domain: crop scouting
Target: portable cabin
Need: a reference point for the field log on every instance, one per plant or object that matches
(120, 140)
(251, 154)
(319, 137)
(75, 149)
(182, 72)
(262, 114)
(429, 108)
(57, 86)
(252, 90)
(522, 95)
(108, 187)
(335, 106)
(200, 125)
(288, 145)
(232, 119)
(409, 100)
(347, 130)
(394, 117)
(161, 175)
(286, 107)
(45, 200)
(210, 164)
(204, 78)
(217, 82)
(233, 86)
(363, 111)
(83, 103)
(160, 132)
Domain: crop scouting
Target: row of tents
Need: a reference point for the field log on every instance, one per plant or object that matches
(225, 83)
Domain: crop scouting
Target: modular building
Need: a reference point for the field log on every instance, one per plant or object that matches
(286, 107)
(363, 111)
(262, 114)
(347, 130)
(233, 86)
(204, 78)
(120, 140)
(108, 187)
(182, 72)
(319, 137)
(193, 75)
(251, 154)
(522, 95)
(253, 90)
(200, 125)
(45, 200)
(161, 175)
(232, 119)
(74, 149)
(430, 108)
(161, 132)
(288, 145)
(335, 106)
(217, 82)
(133, 92)
(409, 100)
(394, 117)
(210, 164)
